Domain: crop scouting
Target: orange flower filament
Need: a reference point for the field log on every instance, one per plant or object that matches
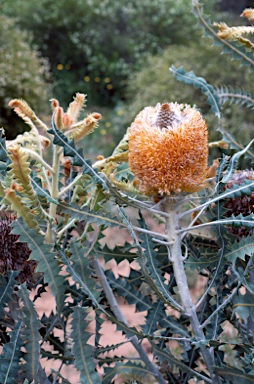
(168, 149)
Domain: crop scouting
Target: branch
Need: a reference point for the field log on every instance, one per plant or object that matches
(217, 222)
(222, 196)
(212, 282)
(36, 156)
(119, 315)
(225, 302)
(69, 186)
(177, 259)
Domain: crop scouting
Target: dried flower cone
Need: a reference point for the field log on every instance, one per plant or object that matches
(243, 204)
(15, 254)
(168, 149)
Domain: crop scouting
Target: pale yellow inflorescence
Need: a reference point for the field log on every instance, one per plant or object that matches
(168, 149)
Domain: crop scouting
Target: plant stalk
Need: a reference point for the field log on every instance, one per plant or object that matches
(49, 238)
(153, 369)
(177, 259)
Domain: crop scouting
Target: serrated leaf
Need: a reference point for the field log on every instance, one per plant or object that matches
(222, 166)
(84, 285)
(123, 172)
(131, 295)
(246, 188)
(21, 173)
(58, 374)
(77, 154)
(243, 279)
(235, 95)
(240, 220)
(30, 335)
(200, 83)
(90, 216)
(244, 305)
(4, 159)
(7, 284)
(109, 348)
(229, 138)
(174, 326)
(240, 249)
(118, 253)
(22, 209)
(235, 375)
(165, 355)
(10, 357)
(126, 368)
(233, 162)
(36, 182)
(80, 259)
(237, 52)
(46, 259)
(154, 315)
(89, 288)
(83, 352)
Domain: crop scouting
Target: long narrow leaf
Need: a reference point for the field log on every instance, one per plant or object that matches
(70, 150)
(131, 295)
(10, 357)
(6, 289)
(237, 52)
(31, 335)
(234, 375)
(241, 249)
(233, 162)
(200, 83)
(90, 216)
(46, 259)
(82, 351)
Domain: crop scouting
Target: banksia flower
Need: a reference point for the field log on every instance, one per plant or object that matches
(68, 121)
(22, 108)
(168, 149)
(249, 14)
(243, 204)
(15, 255)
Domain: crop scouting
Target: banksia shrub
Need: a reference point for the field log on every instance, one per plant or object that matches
(243, 204)
(168, 149)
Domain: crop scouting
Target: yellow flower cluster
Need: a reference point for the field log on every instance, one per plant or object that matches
(168, 149)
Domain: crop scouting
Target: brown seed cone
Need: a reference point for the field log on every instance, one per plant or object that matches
(15, 254)
(243, 204)
(168, 149)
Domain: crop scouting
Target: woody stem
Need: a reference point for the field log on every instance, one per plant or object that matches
(177, 259)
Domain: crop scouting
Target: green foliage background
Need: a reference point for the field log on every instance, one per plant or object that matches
(101, 39)
(118, 53)
(23, 74)
(105, 49)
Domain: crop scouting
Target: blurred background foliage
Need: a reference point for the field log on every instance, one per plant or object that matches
(23, 74)
(117, 52)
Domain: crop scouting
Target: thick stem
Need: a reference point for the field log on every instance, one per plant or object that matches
(153, 369)
(49, 238)
(177, 259)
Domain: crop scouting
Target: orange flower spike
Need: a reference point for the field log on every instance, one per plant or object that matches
(67, 121)
(76, 106)
(168, 149)
(22, 108)
(249, 14)
(54, 104)
(59, 113)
